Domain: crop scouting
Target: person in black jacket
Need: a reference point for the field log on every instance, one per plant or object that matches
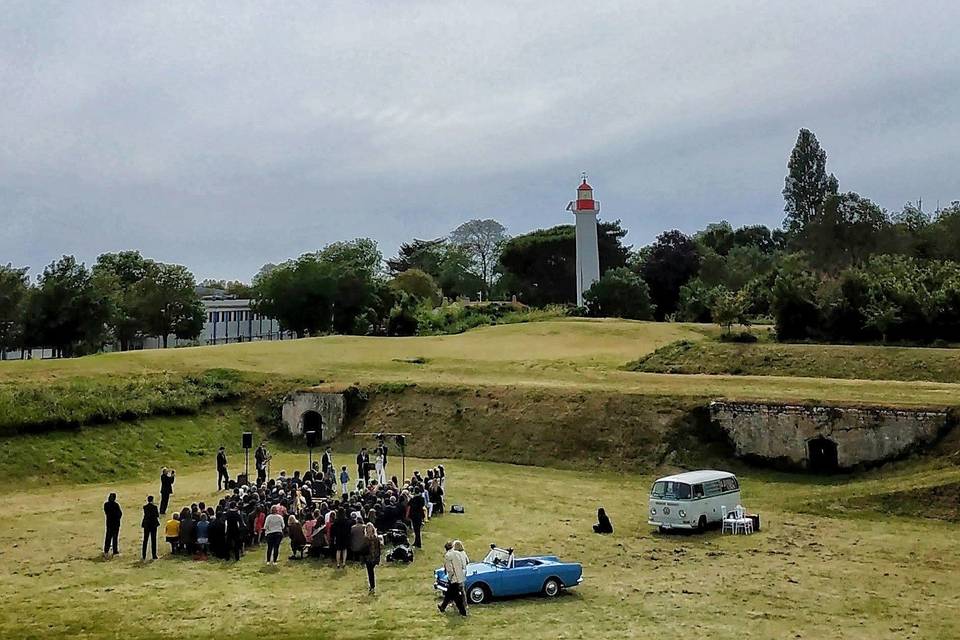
(223, 478)
(363, 472)
(167, 477)
(235, 530)
(150, 523)
(327, 461)
(417, 506)
(113, 513)
(603, 522)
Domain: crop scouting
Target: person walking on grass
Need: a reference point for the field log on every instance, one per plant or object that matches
(455, 566)
(113, 513)
(150, 524)
(371, 556)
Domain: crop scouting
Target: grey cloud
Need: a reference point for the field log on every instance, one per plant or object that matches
(225, 135)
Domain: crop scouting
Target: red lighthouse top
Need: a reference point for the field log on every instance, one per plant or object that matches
(585, 201)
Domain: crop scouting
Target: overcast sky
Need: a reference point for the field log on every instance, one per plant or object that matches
(226, 135)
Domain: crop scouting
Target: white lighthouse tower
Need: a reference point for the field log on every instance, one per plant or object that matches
(585, 210)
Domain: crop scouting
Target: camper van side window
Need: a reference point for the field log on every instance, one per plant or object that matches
(697, 491)
(711, 488)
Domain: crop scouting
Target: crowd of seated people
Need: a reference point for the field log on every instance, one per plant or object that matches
(308, 511)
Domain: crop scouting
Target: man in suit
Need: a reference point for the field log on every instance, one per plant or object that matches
(260, 461)
(417, 508)
(113, 513)
(167, 477)
(362, 471)
(327, 461)
(223, 478)
(235, 530)
(150, 523)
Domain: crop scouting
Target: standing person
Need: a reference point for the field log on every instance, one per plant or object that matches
(113, 513)
(235, 531)
(372, 556)
(150, 524)
(382, 451)
(341, 537)
(167, 478)
(456, 569)
(344, 481)
(381, 473)
(362, 459)
(417, 507)
(203, 535)
(172, 532)
(273, 528)
(326, 461)
(260, 457)
(223, 478)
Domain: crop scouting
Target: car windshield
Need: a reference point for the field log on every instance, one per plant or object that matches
(670, 490)
(498, 557)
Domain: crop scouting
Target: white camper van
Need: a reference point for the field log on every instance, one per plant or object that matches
(692, 500)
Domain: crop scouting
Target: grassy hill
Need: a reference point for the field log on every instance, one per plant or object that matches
(573, 354)
(711, 357)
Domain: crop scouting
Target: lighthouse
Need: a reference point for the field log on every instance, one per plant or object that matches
(585, 210)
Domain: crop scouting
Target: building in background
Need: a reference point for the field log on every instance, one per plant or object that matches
(226, 321)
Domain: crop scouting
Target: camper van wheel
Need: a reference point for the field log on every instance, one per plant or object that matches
(702, 524)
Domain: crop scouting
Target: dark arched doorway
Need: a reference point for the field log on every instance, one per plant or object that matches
(312, 421)
(822, 455)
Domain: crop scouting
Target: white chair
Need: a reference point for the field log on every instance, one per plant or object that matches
(741, 521)
(726, 521)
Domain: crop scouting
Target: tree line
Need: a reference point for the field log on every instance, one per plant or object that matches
(74, 310)
(841, 268)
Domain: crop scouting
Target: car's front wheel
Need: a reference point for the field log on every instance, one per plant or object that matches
(552, 587)
(478, 594)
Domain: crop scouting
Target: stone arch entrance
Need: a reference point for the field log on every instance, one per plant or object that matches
(312, 421)
(822, 455)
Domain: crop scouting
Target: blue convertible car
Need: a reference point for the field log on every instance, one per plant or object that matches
(501, 574)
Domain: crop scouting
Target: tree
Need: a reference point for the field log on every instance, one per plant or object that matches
(418, 284)
(668, 264)
(166, 303)
(619, 293)
(483, 241)
(426, 255)
(807, 184)
(64, 311)
(729, 308)
(847, 229)
(794, 303)
(116, 276)
(696, 301)
(14, 287)
(448, 264)
(338, 288)
(540, 266)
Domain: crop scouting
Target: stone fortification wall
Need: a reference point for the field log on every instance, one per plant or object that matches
(332, 408)
(861, 435)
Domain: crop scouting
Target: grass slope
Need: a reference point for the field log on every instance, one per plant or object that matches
(810, 575)
(803, 360)
(574, 355)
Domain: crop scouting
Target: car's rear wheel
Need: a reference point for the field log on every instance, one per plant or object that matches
(702, 524)
(552, 587)
(478, 594)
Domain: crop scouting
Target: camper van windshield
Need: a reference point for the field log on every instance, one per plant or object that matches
(674, 490)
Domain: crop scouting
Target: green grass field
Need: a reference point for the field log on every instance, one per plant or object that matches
(816, 570)
(575, 354)
(871, 555)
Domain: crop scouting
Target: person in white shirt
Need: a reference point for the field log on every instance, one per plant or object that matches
(455, 565)
(381, 474)
(273, 529)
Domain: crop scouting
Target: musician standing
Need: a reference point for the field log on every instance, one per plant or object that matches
(260, 458)
(327, 461)
(223, 478)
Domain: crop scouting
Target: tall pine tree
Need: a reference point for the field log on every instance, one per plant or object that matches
(807, 184)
